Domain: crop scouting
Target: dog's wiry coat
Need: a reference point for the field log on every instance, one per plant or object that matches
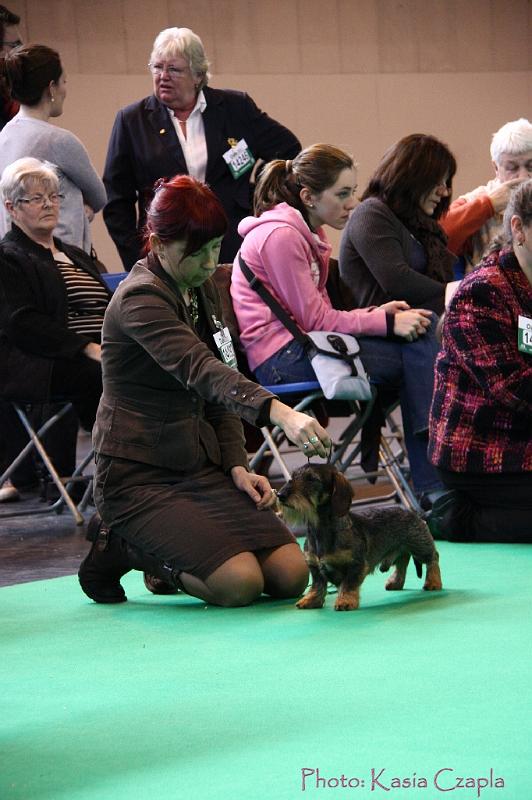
(343, 547)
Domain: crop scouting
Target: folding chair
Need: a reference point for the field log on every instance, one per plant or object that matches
(35, 443)
(113, 279)
(301, 396)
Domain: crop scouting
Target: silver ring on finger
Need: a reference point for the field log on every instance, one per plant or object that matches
(314, 440)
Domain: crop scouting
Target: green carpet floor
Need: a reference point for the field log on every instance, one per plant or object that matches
(168, 698)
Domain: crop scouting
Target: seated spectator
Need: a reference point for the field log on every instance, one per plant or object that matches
(474, 220)
(52, 302)
(392, 245)
(481, 416)
(172, 482)
(286, 247)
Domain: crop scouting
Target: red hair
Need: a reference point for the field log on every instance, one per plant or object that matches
(184, 209)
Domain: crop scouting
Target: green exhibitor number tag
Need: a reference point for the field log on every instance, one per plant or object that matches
(239, 159)
(224, 344)
(524, 335)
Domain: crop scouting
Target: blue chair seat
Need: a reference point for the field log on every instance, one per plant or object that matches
(112, 279)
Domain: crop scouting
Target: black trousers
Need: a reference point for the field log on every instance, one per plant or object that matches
(489, 508)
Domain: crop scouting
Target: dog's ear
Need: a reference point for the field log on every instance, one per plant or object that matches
(342, 495)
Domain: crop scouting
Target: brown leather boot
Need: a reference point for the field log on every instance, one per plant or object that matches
(110, 557)
(107, 561)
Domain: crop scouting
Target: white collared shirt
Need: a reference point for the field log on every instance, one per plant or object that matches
(194, 145)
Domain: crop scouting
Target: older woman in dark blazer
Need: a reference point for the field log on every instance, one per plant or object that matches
(185, 127)
(52, 302)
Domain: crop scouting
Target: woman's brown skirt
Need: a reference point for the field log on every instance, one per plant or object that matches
(193, 522)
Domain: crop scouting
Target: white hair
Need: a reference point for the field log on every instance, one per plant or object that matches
(17, 176)
(185, 43)
(519, 205)
(514, 138)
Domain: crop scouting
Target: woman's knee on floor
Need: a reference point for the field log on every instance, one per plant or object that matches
(237, 582)
(285, 571)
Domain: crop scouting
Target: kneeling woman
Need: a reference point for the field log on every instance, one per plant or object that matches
(171, 481)
(287, 249)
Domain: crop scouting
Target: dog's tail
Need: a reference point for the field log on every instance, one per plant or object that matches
(419, 568)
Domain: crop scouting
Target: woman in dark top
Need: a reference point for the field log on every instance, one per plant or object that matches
(481, 416)
(172, 484)
(186, 127)
(392, 245)
(52, 302)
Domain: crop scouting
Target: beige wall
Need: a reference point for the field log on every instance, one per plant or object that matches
(356, 73)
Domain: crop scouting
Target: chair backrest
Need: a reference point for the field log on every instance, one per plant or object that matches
(112, 279)
(222, 279)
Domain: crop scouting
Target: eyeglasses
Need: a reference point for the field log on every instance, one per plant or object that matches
(41, 200)
(11, 45)
(173, 72)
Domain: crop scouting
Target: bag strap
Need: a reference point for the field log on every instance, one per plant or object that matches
(272, 303)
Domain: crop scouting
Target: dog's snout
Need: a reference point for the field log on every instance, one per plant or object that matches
(284, 491)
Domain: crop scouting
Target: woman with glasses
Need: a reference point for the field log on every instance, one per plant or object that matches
(393, 245)
(185, 127)
(52, 302)
(37, 81)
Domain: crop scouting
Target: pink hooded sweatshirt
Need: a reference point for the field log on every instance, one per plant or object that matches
(289, 259)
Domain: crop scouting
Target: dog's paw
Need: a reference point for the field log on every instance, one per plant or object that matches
(347, 600)
(433, 585)
(310, 601)
(433, 581)
(346, 604)
(395, 582)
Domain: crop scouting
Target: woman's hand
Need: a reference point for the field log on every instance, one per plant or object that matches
(411, 324)
(393, 306)
(256, 486)
(501, 194)
(93, 350)
(303, 431)
(89, 212)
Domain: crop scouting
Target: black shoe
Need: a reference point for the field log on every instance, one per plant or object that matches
(427, 499)
(441, 516)
(100, 572)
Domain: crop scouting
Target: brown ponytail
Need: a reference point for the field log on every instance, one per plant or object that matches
(315, 168)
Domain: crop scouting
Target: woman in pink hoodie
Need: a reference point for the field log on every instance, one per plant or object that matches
(286, 247)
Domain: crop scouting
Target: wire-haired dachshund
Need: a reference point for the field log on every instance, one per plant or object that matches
(343, 547)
